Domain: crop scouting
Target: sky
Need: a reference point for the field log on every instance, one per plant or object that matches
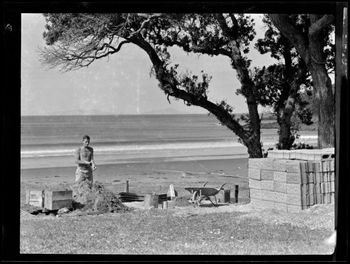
(120, 84)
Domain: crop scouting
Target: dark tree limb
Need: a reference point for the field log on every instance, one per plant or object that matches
(320, 24)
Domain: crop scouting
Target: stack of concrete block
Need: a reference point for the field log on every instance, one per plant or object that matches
(318, 182)
(302, 154)
(291, 184)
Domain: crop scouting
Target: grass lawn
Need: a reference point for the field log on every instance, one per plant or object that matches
(184, 230)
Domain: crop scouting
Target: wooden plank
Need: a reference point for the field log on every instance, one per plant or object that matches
(58, 204)
(35, 198)
(58, 195)
(57, 199)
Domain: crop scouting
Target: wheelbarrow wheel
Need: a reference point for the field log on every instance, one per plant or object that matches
(196, 198)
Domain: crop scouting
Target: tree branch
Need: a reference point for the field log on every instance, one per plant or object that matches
(170, 87)
(281, 22)
(321, 23)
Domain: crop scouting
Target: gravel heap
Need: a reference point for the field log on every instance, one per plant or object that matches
(94, 197)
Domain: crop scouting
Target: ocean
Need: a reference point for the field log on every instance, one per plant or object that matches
(50, 141)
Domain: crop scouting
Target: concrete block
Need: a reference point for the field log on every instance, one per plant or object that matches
(293, 166)
(266, 185)
(261, 204)
(254, 184)
(273, 196)
(280, 176)
(281, 207)
(266, 174)
(319, 198)
(294, 177)
(325, 176)
(263, 163)
(280, 187)
(318, 177)
(280, 165)
(255, 194)
(293, 188)
(254, 174)
(294, 208)
(294, 199)
(317, 187)
(332, 165)
(310, 166)
(311, 177)
(327, 198)
(332, 198)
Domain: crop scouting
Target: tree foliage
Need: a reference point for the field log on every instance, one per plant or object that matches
(287, 86)
(77, 40)
(310, 36)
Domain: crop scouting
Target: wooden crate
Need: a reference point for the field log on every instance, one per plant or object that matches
(57, 199)
(35, 198)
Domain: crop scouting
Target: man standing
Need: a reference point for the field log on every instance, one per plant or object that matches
(84, 158)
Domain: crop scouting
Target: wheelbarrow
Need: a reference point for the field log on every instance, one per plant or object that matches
(200, 193)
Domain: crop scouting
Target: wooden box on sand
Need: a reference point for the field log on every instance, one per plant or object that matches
(50, 199)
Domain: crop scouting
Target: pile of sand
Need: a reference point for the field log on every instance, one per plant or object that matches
(94, 197)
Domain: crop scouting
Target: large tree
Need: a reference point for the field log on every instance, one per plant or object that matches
(77, 40)
(287, 83)
(309, 34)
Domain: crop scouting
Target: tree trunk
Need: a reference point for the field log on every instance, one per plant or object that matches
(311, 50)
(326, 111)
(254, 148)
(286, 140)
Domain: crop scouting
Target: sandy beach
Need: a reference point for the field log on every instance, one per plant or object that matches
(152, 176)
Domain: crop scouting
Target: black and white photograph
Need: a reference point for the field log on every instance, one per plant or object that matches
(189, 133)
